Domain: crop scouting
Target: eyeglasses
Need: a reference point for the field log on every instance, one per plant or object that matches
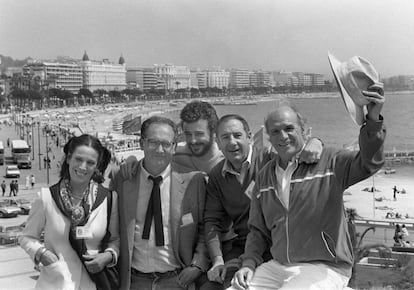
(153, 144)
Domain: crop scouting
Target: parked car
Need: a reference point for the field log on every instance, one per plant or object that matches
(12, 171)
(22, 203)
(7, 210)
(9, 234)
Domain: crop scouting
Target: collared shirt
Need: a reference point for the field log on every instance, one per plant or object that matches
(228, 168)
(283, 177)
(147, 257)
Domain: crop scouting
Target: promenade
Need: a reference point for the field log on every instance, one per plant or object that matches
(16, 268)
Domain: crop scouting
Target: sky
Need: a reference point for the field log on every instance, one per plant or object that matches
(290, 35)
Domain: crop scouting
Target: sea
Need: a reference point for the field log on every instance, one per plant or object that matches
(329, 120)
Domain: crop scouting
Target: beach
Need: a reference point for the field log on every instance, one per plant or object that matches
(367, 203)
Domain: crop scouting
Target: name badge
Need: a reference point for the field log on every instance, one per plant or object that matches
(83, 233)
(187, 219)
(249, 190)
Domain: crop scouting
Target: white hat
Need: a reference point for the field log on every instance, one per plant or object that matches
(353, 77)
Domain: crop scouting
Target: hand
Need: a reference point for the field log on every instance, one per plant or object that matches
(48, 258)
(242, 278)
(96, 263)
(129, 168)
(217, 273)
(375, 96)
(188, 275)
(312, 151)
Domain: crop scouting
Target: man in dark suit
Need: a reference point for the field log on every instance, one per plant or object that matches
(168, 252)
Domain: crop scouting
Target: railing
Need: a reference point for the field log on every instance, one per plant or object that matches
(127, 149)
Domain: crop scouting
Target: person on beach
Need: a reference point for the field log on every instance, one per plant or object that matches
(11, 188)
(3, 187)
(16, 187)
(397, 235)
(79, 218)
(32, 180)
(168, 253)
(395, 192)
(229, 189)
(297, 209)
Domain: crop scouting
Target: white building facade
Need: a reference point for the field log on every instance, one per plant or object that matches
(103, 75)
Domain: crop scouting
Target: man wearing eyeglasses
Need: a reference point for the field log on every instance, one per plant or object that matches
(160, 216)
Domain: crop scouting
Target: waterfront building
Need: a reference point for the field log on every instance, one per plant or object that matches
(218, 78)
(193, 78)
(103, 75)
(65, 76)
(317, 79)
(281, 78)
(145, 78)
(259, 79)
(174, 77)
(12, 70)
(202, 79)
(239, 78)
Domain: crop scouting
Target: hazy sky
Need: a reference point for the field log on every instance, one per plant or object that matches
(294, 35)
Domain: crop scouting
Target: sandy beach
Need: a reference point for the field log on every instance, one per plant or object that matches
(369, 208)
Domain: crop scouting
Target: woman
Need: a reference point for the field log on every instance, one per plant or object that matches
(74, 215)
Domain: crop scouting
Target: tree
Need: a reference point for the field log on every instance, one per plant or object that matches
(177, 83)
(85, 92)
(19, 96)
(360, 250)
(194, 92)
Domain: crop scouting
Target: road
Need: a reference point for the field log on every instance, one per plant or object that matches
(16, 269)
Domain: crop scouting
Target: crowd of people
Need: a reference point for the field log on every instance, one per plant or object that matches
(13, 186)
(400, 236)
(213, 213)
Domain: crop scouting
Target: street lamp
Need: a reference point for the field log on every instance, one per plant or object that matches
(32, 139)
(38, 139)
(47, 156)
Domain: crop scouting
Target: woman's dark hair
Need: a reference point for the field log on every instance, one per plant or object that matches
(89, 141)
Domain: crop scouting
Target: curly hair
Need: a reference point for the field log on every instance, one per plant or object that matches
(89, 141)
(196, 110)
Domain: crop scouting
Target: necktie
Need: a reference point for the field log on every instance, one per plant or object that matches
(154, 210)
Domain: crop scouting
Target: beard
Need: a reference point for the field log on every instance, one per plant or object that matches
(200, 148)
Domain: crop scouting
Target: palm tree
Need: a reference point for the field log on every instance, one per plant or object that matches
(361, 251)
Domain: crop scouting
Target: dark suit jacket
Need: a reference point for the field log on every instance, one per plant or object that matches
(187, 198)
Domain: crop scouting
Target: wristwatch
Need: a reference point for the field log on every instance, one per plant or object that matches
(197, 266)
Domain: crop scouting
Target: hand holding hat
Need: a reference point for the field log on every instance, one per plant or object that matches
(359, 86)
(375, 96)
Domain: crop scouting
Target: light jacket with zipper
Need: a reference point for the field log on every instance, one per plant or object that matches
(313, 229)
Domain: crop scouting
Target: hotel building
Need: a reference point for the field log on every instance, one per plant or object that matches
(174, 77)
(103, 75)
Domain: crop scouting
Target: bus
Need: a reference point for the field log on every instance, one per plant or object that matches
(21, 153)
(1, 153)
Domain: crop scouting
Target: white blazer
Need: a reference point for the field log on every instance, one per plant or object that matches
(68, 273)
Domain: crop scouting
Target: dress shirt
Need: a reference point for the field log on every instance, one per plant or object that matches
(147, 257)
(228, 168)
(283, 178)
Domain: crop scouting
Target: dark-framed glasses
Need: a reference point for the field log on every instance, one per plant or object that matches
(153, 144)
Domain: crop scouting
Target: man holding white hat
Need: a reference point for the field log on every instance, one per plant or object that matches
(297, 209)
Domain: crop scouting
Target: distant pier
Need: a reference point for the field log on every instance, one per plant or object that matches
(398, 156)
